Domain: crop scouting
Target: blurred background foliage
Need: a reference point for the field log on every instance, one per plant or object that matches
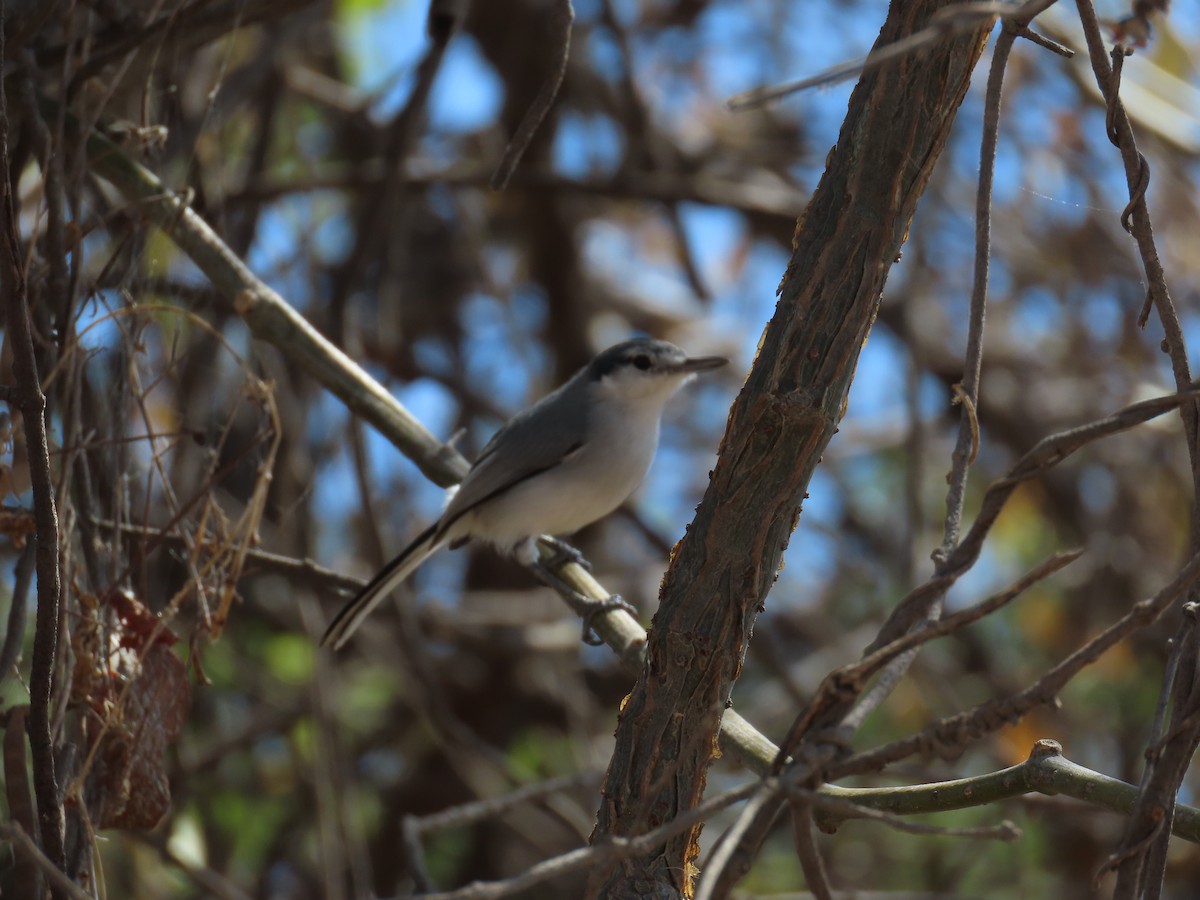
(302, 133)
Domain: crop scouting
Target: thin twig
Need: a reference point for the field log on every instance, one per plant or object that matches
(60, 884)
(1176, 661)
(28, 398)
(757, 197)
(947, 736)
(967, 447)
(970, 418)
(967, 392)
(948, 21)
(611, 848)
(22, 878)
(342, 857)
(47, 146)
(371, 225)
(490, 807)
(1121, 132)
(14, 636)
(845, 683)
(859, 672)
(304, 569)
(649, 147)
(1142, 873)
(413, 827)
(1044, 42)
(1131, 855)
(1139, 187)
(190, 25)
(804, 840)
(848, 804)
(1046, 454)
(719, 861)
(560, 20)
(1045, 771)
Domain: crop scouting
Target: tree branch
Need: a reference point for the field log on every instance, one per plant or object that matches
(27, 396)
(845, 244)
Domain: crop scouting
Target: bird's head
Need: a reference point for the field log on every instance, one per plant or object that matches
(647, 370)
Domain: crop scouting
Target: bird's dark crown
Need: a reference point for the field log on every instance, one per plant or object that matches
(639, 353)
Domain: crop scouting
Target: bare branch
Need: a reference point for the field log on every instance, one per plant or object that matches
(1047, 453)
(561, 17)
(60, 884)
(948, 736)
(1046, 770)
(948, 21)
(27, 396)
(610, 850)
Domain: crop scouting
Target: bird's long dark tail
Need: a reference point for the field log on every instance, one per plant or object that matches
(346, 622)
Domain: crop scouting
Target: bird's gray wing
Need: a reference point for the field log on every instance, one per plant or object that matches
(531, 442)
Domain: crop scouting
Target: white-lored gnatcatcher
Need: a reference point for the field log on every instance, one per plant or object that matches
(568, 460)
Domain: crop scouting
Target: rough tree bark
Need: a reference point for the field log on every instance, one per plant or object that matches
(897, 124)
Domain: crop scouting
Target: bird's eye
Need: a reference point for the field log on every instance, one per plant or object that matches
(642, 361)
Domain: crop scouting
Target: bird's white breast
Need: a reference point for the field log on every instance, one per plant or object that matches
(591, 482)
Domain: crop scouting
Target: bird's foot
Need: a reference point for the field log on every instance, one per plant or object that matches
(598, 608)
(564, 553)
(584, 606)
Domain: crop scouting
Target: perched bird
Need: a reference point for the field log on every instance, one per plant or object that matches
(568, 460)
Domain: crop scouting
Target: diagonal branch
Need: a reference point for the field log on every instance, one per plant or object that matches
(845, 243)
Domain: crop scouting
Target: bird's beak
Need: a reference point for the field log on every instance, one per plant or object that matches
(702, 363)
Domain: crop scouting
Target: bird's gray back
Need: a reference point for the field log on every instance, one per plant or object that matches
(532, 441)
